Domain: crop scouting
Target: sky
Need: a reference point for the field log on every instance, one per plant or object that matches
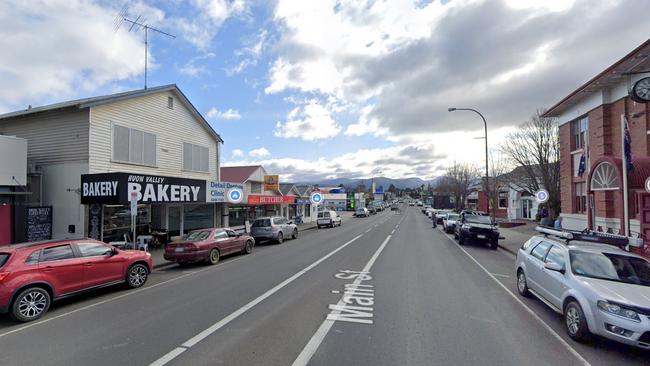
(326, 89)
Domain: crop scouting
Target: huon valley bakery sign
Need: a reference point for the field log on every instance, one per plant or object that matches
(116, 188)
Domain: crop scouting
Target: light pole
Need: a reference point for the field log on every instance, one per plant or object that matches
(487, 174)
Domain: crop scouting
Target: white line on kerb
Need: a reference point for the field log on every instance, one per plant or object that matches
(318, 337)
(221, 323)
(529, 310)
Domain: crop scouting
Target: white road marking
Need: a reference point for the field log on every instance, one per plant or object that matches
(368, 230)
(392, 232)
(318, 337)
(500, 275)
(221, 323)
(169, 356)
(571, 350)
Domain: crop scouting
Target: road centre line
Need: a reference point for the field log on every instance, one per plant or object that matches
(318, 337)
(529, 310)
(500, 275)
(221, 323)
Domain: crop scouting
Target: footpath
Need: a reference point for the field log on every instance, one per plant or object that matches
(516, 236)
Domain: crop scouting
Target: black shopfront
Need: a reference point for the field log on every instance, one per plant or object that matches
(167, 206)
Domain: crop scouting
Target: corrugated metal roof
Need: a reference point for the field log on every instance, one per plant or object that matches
(111, 98)
(237, 174)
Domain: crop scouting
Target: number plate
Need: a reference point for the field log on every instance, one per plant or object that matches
(179, 249)
(480, 236)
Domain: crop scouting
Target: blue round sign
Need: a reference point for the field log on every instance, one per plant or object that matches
(235, 195)
(316, 198)
(541, 196)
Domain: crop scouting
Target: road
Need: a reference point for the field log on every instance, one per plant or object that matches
(415, 298)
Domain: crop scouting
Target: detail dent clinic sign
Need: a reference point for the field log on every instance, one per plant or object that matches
(218, 191)
(116, 188)
(256, 199)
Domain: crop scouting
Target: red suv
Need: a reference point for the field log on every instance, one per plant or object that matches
(34, 274)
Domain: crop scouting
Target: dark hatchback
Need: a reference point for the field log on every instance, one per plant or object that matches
(477, 228)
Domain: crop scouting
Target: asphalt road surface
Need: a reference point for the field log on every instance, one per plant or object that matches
(383, 290)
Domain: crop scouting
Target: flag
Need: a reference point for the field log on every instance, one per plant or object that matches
(582, 165)
(627, 149)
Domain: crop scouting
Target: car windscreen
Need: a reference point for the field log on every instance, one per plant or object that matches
(452, 217)
(262, 223)
(4, 257)
(611, 267)
(198, 235)
(478, 219)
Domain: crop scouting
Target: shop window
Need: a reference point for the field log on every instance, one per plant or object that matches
(197, 217)
(195, 157)
(579, 129)
(256, 187)
(580, 197)
(133, 146)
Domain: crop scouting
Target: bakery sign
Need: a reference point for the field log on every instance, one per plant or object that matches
(116, 188)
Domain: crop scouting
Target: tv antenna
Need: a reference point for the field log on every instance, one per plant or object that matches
(137, 24)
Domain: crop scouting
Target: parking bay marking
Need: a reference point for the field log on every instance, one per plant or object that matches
(318, 337)
(223, 322)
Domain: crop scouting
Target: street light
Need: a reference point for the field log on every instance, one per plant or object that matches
(487, 175)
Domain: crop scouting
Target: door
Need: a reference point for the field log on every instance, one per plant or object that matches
(60, 267)
(644, 211)
(552, 283)
(100, 265)
(174, 220)
(535, 265)
(222, 241)
(526, 206)
(235, 243)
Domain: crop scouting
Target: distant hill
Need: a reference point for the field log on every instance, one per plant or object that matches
(402, 183)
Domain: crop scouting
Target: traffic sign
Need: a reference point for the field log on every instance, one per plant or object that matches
(134, 203)
(541, 196)
(235, 195)
(316, 198)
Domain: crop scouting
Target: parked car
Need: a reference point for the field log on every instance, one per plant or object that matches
(425, 208)
(419, 203)
(411, 204)
(362, 212)
(328, 218)
(598, 288)
(394, 207)
(275, 228)
(449, 222)
(32, 275)
(478, 228)
(440, 215)
(430, 212)
(208, 245)
(372, 210)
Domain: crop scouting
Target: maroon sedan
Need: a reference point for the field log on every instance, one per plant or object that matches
(208, 245)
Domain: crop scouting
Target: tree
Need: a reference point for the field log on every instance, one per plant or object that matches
(535, 149)
(392, 188)
(457, 181)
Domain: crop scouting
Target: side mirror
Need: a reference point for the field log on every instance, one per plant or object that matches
(551, 266)
(290, 222)
(114, 251)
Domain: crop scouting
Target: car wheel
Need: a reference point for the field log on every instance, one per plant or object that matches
(522, 285)
(461, 239)
(214, 256)
(494, 244)
(455, 235)
(575, 322)
(137, 275)
(280, 238)
(295, 234)
(30, 304)
(248, 247)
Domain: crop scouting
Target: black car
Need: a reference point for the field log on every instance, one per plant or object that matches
(372, 210)
(480, 228)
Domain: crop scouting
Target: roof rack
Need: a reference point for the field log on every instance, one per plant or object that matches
(592, 237)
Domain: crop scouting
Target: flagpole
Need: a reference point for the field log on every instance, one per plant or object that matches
(626, 218)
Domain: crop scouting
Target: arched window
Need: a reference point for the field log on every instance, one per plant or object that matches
(605, 178)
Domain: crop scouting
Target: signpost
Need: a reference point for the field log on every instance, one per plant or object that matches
(134, 214)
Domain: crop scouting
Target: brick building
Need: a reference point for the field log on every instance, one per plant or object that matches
(590, 121)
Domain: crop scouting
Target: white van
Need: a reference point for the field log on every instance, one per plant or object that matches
(328, 218)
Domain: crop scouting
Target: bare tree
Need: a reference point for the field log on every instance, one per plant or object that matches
(457, 181)
(535, 149)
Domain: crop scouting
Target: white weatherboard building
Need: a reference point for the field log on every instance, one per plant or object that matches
(154, 139)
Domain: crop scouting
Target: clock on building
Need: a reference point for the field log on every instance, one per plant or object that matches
(641, 91)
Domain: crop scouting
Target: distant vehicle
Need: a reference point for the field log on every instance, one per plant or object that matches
(362, 212)
(328, 218)
(394, 207)
(32, 275)
(425, 208)
(208, 245)
(597, 287)
(379, 207)
(449, 222)
(478, 228)
(411, 204)
(430, 212)
(440, 215)
(372, 210)
(275, 228)
(419, 203)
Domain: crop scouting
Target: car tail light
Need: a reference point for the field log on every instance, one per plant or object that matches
(190, 247)
(3, 275)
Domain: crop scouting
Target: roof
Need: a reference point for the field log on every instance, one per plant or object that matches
(237, 174)
(285, 188)
(111, 98)
(636, 61)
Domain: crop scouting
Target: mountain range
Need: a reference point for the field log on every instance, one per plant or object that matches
(352, 183)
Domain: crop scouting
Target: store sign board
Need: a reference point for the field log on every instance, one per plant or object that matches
(38, 223)
(256, 199)
(224, 192)
(271, 183)
(116, 188)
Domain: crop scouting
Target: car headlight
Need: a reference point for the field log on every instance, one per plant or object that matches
(618, 310)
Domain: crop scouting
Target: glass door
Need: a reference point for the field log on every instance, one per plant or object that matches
(174, 220)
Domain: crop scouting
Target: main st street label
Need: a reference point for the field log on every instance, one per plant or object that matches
(356, 304)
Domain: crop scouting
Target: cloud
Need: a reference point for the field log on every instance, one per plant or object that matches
(250, 53)
(207, 17)
(229, 114)
(259, 153)
(237, 153)
(195, 68)
(366, 125)
(56, 49)
(311, 121)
